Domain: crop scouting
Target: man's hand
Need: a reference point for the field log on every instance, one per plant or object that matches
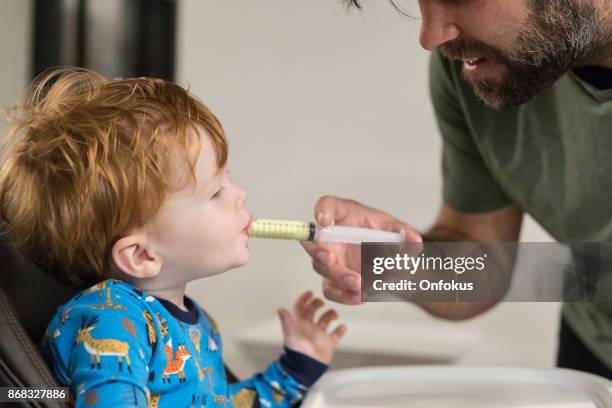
(340, 264)
(301, 333)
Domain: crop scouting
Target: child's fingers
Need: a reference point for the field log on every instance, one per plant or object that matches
(287, 322)
(338, 333)
(326, 319)
(302, 300)
(311, 308)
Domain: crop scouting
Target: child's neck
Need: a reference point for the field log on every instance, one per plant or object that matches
(175, 295)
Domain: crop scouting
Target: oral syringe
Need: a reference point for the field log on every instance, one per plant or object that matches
(308, 231)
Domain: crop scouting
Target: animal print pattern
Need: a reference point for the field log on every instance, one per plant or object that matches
(115, 345)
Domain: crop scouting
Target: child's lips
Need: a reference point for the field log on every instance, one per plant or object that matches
(247, 228)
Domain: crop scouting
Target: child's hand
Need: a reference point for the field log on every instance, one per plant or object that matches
(301, 333)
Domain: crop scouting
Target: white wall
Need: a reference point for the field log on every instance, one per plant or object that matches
(317, 101)
(15, 32)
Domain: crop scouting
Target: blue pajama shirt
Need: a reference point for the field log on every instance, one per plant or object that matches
(116, 346)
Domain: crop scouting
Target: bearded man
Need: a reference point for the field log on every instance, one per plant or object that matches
(522, 92)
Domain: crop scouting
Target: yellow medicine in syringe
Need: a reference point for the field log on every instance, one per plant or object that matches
(308, 231)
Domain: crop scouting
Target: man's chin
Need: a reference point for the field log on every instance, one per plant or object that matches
(501, 96)
(491, 86)
(512, 88)
(490, 98)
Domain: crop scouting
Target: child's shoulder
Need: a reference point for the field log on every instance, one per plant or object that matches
(111, 318)
(109, 309)
(111, 294)
(108, 301)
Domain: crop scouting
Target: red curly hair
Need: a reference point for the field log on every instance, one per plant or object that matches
(88, 159)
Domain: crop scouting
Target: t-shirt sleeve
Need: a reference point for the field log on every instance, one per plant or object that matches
(281, 385)
(102, 350)
(468, 185)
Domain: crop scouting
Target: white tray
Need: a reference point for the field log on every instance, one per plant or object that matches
(459, 387)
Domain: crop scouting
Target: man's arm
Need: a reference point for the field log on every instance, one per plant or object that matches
(502, 225)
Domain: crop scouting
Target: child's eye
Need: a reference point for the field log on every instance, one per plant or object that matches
(217, 193)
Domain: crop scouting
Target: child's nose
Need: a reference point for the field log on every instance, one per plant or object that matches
(241, 196)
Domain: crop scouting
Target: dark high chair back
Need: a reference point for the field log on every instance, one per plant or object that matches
(28, 301)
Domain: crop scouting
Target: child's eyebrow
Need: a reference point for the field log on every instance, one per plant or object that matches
(213, 180)
(220, 171)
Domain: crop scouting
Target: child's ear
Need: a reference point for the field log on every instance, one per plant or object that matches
(132, 257)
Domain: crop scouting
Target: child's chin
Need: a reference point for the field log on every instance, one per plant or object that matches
(242, 259)
(245, 259)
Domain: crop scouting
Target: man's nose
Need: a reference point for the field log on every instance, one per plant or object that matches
(437, 24)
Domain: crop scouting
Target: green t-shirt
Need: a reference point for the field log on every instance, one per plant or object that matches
(551, 156)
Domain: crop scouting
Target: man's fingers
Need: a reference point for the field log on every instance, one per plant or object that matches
(410, 235)
(309, 247)
(414, 239)
(320, 253)
(350, 281)
(347, 297)
(343, 277)
(324, 263)
(327, 318)
(330, 210)
(323, 260)
(326, 268)
(413, 236)
(395, 225)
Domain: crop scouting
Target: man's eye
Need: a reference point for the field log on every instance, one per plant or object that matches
(217, 193)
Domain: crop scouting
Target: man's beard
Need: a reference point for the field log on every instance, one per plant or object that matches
(558, 35)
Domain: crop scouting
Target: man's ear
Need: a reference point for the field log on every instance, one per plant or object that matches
(133, 258)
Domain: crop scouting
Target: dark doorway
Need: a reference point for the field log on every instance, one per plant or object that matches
(117, 38)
